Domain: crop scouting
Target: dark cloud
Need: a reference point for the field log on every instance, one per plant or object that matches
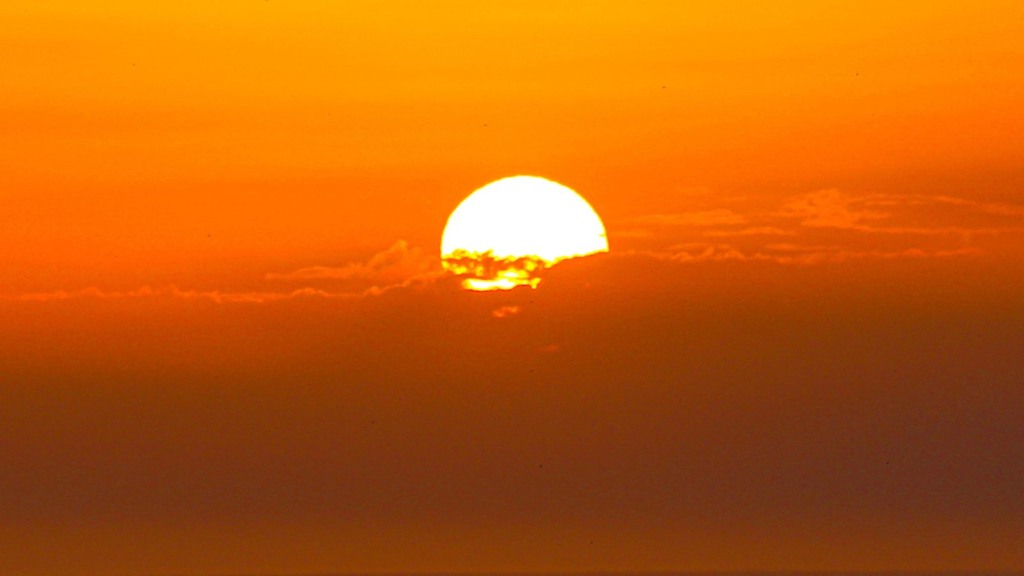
(629, 400)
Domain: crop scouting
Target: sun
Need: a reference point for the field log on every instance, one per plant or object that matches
(504, 233)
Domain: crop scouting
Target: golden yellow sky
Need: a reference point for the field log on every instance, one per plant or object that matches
(175, 135)
(226, 343)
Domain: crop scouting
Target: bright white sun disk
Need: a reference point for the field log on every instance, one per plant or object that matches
(521, 217)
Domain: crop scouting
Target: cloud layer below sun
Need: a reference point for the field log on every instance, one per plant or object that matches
(864, 351)
(825, 226)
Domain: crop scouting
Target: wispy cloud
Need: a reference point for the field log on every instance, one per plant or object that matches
(399, 261)
(717, 217)
(830, 209)
(791, 254)
(998, 208)
(828, 226)
(505, 311)
(700, 252)
(888, 213)
(217, 296)
(397, 267)
(753, 231)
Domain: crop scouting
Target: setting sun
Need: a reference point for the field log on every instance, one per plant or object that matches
(647, 288)
(509, 229)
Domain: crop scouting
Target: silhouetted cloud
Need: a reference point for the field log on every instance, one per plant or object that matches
(485, 271)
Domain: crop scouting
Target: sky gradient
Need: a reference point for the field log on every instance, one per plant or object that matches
(227, 344)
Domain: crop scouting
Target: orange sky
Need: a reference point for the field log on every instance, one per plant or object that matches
(226, 345)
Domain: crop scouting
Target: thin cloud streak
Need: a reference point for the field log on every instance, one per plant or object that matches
(755, 231)
(791, 254)
(717, 217)
(216, 296)
(854, 226)
(803, 220)
(399, 260)
(829, 209)
(397, 267)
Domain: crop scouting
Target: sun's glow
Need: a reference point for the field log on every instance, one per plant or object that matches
(503, 234)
